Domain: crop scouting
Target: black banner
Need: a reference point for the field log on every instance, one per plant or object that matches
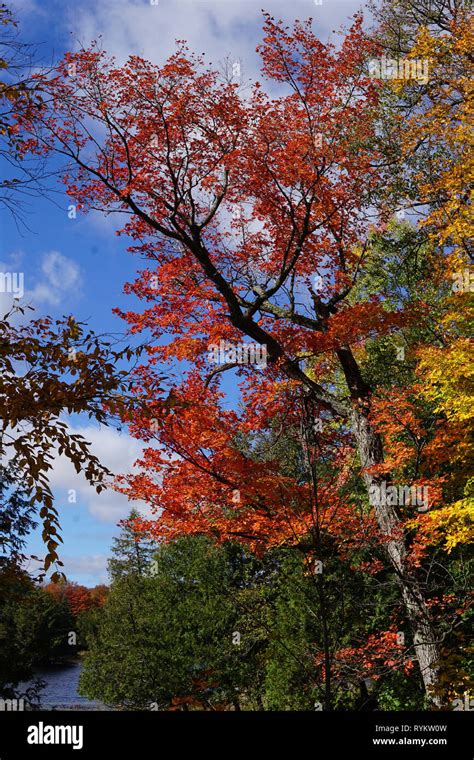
(121, 734)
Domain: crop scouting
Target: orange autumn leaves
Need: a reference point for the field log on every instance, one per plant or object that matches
(199, 481)
(79, 598)
(238, 203)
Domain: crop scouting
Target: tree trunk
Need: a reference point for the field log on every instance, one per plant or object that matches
(388, 518)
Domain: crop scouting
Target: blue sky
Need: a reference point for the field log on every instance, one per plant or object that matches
(79, 265)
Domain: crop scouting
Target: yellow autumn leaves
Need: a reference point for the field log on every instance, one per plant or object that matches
(440, 128)
(442, 125)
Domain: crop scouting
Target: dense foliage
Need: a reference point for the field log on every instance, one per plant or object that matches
(309, 241)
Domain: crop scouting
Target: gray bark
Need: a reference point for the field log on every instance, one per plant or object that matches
(388, 519)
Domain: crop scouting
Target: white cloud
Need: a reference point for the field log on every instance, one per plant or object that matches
(60, 271)
(118, 452)
(218, 28)
(60, 278)
(91, 568)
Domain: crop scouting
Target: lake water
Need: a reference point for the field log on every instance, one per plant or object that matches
(61, 687)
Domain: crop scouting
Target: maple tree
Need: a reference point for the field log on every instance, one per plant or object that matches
(259, 216)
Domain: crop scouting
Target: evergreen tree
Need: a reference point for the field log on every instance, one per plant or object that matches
(16, 521)
(132, 551)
